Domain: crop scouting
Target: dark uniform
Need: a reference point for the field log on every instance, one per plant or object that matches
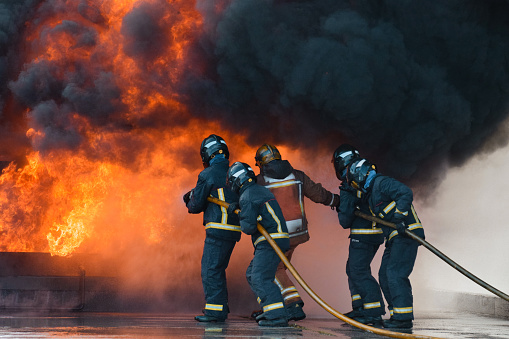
(391, 200)
(222, 233)
(290, 186)
(365, 239)
(258, 204)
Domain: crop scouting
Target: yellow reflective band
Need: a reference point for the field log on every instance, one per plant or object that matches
(284, 184)
(290, 296)
(389, 207)
(356, 297)
(273, 236)
(213, 307)
(276, 219)
(415, 214)
(403, 309)
(223, 226)
(399, 212)
(359, 194)
(224, 213)
(258, 299)
(392, 235)
(414, 226)
(391, 312)
(366, 231)
(372, 305)
(272, 307)
(278, 285)
(289, 289)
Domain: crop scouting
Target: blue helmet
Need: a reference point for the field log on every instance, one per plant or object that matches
(358, 173)
(212, 145)
(239, 174)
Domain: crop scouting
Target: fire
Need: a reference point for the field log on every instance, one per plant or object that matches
(108, 187)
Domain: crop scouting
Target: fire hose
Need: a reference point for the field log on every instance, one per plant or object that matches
(313, 295)
(437, 253)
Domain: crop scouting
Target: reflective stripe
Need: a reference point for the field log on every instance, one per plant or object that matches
(356, 297)
(271, 211)
(366, 231)
(399, 212)
(259, 300)
(391, 312)
(224, 213)
(289, 289)
(273, 236)
(403, 309)
(389, 207)
(411, 227)
(223, 226)
(298, 233)
(284, 184)
(278, 285)
(290, 296)
(359, 194)
(372, 305)
(273, 307)
(213, 307)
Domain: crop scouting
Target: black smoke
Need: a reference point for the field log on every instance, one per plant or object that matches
(415, 85)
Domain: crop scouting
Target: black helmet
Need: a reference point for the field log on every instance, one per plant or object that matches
(238, 174)
(358, 173)
(343, 156)
(266, 153)
(212, 145)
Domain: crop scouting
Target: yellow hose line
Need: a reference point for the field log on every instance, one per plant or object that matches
(313, 295)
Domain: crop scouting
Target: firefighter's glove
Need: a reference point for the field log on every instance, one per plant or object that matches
(187, 197)
(233, 206)
(335, 202)
(401, 227)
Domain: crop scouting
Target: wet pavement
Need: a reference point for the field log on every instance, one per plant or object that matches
(122, 325)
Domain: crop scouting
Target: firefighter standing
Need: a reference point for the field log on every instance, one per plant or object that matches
(222, 230)
(258, 204)
(289, 186)
(365, 239)
(391, 200)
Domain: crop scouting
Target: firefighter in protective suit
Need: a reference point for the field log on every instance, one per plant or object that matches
(222, 230)
(258, 204)
(365, 239)
(289, 186)
(391, 200)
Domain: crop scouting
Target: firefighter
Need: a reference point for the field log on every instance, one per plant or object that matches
(365, 239)
(391, 200)
(222, 231)
(258, 204)
(289, 186)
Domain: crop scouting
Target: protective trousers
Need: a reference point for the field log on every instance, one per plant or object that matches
(364, 288)
(215, 259)
(286, 286)
(397, 264)
(260, 276)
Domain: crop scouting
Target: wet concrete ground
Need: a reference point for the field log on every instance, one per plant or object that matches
(122, 325)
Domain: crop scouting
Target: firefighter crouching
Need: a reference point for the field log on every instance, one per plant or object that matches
(258, 204)
(391, 200)
(365, 239)
(222, 230)
(289, 186)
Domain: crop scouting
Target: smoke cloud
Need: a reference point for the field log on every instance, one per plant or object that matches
(415, 86)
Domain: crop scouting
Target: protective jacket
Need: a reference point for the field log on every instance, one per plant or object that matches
(391, 200)
(212, 182)
(289, 186)
(360, 229)
(258, 204)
